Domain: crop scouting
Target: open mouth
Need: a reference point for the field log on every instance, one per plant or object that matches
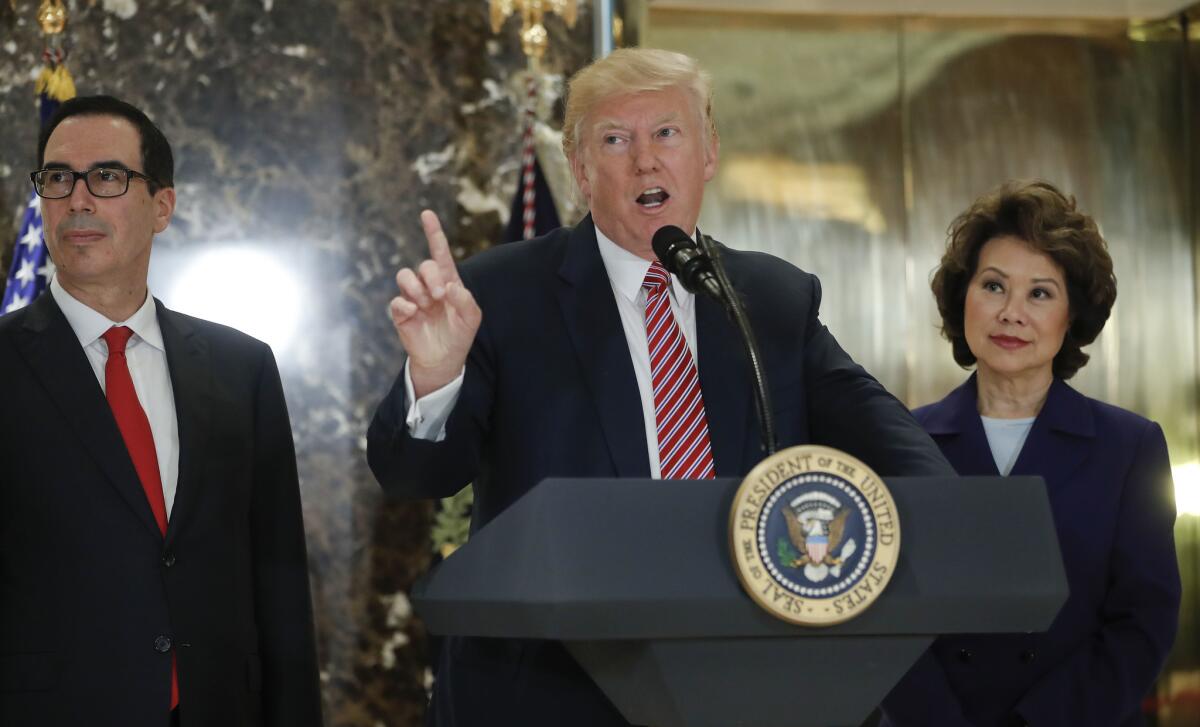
(653, 197)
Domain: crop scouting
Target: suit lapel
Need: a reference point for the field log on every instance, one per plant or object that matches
(62, 368)
(1061, 436)
(955, 424)
(1057, 444)
(191, 382)
(724, 379)
(594, 326)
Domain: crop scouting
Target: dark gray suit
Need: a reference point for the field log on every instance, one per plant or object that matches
(90, 592)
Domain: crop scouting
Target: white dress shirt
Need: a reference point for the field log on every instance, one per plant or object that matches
(427, 417)
(147, 359)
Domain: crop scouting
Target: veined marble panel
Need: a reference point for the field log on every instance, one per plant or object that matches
(308, 135)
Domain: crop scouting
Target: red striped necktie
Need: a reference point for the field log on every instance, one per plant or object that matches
(139, 440)
(684, 450)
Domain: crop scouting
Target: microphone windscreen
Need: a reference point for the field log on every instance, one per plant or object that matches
(665, 242)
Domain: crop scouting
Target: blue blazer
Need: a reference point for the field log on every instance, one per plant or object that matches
(1109, 483)
(550, 390)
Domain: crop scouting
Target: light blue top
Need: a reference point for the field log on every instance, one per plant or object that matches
(1006, 437)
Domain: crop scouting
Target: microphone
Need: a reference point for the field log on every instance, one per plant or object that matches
(700, 270)
(680, 255)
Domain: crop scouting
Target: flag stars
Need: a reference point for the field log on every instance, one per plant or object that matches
(18, 302)
(32, 237)
(25, 273)
(31, 266)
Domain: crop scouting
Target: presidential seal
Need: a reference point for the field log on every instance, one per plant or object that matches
(815, 535)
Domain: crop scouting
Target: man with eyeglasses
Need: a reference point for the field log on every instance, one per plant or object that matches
(152, 557)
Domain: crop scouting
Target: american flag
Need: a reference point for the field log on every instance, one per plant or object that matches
(31, 265)
(533, 210)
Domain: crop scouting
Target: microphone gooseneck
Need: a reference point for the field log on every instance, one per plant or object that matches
(733, 306)
(699, 268)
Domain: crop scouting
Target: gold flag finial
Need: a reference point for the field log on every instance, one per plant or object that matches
(52, 16)
(534, 38)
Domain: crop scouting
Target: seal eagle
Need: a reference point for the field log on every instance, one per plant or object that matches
(816, 538)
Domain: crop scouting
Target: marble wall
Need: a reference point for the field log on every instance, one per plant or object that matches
(308, 135)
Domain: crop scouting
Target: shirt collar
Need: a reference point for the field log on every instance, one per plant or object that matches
(89, 324)
(627, 271)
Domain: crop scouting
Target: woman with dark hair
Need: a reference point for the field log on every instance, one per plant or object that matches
(1026, 282)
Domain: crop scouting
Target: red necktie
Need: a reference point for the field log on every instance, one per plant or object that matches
(684, 450)
(135, 430)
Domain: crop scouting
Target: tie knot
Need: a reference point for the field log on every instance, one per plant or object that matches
(656, 278)
(116, 338)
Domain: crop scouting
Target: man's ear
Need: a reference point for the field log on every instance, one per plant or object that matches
(164, 207)
(711, 152)
(579, 172)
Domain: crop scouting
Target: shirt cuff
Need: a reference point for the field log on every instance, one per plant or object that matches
(426, 418)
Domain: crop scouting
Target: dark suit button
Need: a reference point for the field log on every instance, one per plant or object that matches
(1027, 656)
(964, 656)
(162, 644)
(168, 559)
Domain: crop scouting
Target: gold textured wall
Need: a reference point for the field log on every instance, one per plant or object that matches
(849, 144)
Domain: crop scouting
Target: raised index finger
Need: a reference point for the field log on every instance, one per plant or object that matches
(439, 246)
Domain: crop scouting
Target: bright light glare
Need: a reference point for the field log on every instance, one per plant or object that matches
(1187, 488)
(246, 289)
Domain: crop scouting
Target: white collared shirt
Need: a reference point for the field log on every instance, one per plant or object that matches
(427, 417)
(147, 359)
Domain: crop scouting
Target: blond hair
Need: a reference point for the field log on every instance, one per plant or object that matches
(628, 71)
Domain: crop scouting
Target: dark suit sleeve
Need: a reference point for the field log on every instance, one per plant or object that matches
(924, 698)
(1106, 678)
(413, 468)
(851, 411)
(287, 652)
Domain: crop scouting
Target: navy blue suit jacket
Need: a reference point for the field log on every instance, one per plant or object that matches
(1109, 483)
(550, 391)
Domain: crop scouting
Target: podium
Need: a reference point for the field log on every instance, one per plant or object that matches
(636, 579)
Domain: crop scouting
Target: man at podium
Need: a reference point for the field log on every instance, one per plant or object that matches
(577, 355)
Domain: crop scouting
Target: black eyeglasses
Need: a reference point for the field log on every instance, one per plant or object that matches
(101, 181)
